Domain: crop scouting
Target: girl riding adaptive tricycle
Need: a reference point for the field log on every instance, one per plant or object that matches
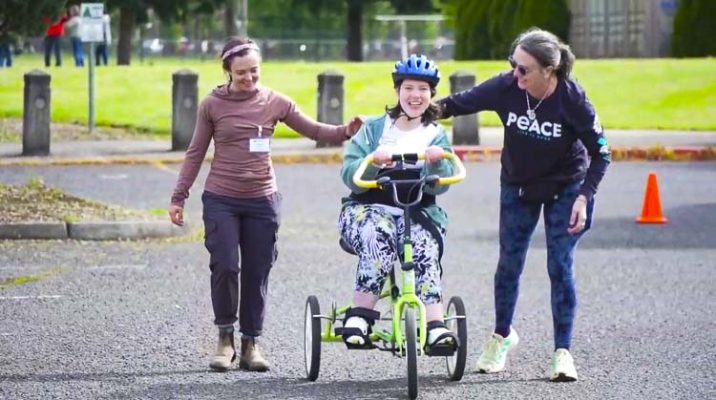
(395, 167)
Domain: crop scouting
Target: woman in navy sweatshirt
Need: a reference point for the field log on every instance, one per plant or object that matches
(553, 158)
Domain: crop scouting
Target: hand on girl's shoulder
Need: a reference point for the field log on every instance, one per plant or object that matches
(354, 125)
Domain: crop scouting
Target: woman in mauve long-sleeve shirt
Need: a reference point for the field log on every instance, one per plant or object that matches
(241, 201)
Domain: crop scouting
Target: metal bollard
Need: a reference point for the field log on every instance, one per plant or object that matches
(465, 127)
(185, 95)
(36, 114)
(330, 100)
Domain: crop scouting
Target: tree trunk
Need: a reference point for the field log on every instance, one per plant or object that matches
(355, 39)
(126, 32)
(230, 28)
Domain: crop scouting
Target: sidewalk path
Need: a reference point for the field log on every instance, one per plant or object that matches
(629, 145)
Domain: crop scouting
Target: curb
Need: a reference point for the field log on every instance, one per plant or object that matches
(477, 153)
(465, 152)
(34, 230)
(321, 158)
(660, 153)
(655, 153)
(98, 230)
(68, 161)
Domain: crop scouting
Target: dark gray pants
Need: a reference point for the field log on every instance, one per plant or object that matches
(245, 230)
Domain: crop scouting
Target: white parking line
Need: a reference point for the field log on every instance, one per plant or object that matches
(22, 268)
(113, 177)
(40, 297)
(118, 266)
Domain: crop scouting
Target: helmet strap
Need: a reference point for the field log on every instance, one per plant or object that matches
(408, 117)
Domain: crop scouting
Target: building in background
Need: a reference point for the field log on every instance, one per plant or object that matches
(622, 28)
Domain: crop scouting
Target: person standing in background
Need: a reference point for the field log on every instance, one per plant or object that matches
(7, 43)
(73, 31)
(53, 39)
(102, 49)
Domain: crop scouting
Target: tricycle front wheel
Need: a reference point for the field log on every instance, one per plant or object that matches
(411, 350)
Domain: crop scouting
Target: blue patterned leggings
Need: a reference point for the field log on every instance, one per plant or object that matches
(517, 222)
(373, 233)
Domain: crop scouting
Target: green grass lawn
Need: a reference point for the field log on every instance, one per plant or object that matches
(628, 94)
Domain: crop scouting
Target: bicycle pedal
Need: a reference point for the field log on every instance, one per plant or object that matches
(341, 331)
(440, 350)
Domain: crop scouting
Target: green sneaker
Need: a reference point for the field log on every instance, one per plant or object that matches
(562, 369)
(494, 355)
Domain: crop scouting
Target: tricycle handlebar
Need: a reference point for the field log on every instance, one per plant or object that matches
(458, 175)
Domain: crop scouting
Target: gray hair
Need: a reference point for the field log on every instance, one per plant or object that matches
(547, 49)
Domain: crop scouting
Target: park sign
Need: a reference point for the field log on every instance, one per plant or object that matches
(92, 28)
(92, 31)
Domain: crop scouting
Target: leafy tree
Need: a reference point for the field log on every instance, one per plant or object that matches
(231, 7)
(553, 15)
(694, 29)
(355, 20)
(133, 12)
(487, 28)
(413, 6)
(312, 17)
(501, 26)
(354, 35)
(471, 28)
(25, 17)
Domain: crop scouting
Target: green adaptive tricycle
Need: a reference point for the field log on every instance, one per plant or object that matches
(406, 336)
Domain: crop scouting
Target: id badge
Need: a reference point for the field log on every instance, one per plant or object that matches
(388, 141)
(260, 145)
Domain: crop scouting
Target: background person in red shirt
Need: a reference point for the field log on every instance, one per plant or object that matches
(53, 39)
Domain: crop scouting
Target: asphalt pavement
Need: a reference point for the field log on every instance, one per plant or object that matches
(133, 319)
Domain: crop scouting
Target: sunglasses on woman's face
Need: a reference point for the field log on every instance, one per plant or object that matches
(521, 69)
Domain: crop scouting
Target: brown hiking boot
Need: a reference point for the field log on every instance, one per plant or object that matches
(225, 352)
(251, 359)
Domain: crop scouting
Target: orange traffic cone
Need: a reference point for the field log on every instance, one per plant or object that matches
(651, 211)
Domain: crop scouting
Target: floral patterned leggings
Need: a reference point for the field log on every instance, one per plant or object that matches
(373, 232)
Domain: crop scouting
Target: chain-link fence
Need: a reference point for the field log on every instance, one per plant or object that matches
(204, 38)
(315, 50)
(298, 49)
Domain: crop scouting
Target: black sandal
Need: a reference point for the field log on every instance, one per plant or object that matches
(440, 346)
(369, 316)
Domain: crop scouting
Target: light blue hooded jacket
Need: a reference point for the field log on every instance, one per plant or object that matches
(366, 141)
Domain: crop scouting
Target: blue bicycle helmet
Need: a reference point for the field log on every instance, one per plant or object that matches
(418, 67)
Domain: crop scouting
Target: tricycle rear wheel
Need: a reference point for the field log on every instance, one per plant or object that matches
(457, 323)
(312, 338)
